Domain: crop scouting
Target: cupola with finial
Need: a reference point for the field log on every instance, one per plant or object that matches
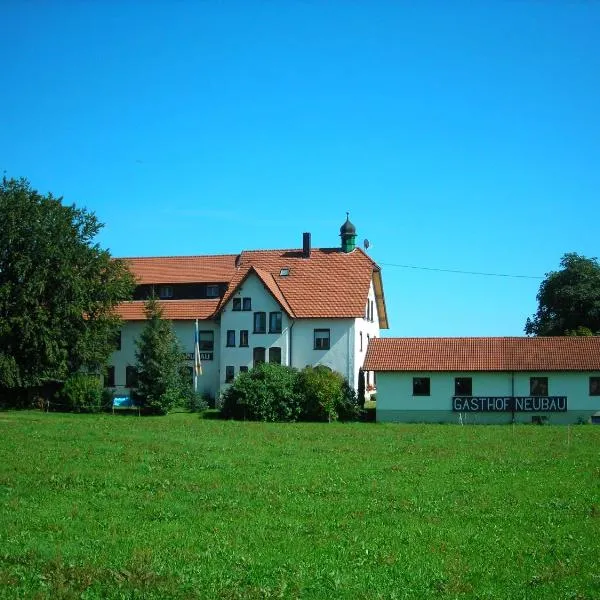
(348, 235)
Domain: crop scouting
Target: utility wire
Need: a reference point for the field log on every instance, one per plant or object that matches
(461, 272)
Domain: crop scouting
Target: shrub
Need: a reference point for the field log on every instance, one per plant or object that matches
(325, 395)
(82, 393)
(265, 393)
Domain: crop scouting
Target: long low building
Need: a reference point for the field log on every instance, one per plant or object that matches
(486, 380)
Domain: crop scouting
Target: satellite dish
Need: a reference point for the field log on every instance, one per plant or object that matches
(366, 244)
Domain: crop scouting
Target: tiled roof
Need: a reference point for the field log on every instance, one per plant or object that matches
(484, 354)
(183, 269)
(180, 310)
(328, 284)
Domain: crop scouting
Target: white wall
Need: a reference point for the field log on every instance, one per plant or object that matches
(369, 329)
(395, 401)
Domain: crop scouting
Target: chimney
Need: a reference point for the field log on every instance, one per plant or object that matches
(306, 245)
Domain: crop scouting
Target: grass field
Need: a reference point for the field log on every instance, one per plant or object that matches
(102, 506)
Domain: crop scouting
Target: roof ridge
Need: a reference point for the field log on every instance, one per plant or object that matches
(177, 256)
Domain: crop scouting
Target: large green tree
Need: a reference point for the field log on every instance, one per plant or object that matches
(58, 289)
(162, 378)
(568, 299)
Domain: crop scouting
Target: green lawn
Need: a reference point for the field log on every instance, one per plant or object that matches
(102, 506)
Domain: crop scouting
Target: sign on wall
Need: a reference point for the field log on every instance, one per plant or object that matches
(203, 355)
(509, 403)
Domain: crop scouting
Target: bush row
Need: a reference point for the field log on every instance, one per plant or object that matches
(271, 392)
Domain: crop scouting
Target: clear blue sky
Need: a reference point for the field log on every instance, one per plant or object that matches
(459, 135)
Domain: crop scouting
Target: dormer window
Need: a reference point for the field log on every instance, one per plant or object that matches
(284, 272)
(212, 291)
(165, 291)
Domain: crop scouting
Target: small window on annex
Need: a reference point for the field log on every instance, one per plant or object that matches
(463, 386)
(260, 322)
(246, 303)
(109, 378)
(229, 373)
(237, 304)
(421, 386)
(538, 386)
(206, 341)
(275, 355)
(275, 322)
(322, 339)
(258, 355)
(230, 338)
(594, 386)
(212, 291)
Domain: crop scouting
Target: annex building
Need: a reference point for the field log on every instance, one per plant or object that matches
(297, 307)
(486, 380)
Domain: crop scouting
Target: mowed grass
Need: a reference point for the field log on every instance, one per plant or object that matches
(102, 506)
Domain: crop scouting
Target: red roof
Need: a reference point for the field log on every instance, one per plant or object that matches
(183, 269)
(484, 354)
(328, 284)
(175, 310)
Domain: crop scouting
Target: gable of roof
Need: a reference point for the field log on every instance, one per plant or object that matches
(484, 354)
(183, 269)
(327, 284)
(174, 310)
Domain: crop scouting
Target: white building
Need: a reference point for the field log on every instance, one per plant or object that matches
(299, 307)
(486, 380)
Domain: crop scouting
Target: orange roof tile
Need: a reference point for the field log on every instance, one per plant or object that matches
(175, 310)
(183, 269)
(328, 284)
(484, 354)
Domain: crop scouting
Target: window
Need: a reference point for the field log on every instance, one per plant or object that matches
(258, 355)
(212, 291)
(118, 340)
(247, 303)
(420, 386)
(372, 310)
(130, 376)
(229, 374)
(275, 355)
(109, 379)
(165, 291)
(230, 338)
(206, 341)
(361, 342)
(594, 386)
(260, 322)
(367, 311)
(284, 272)
(243, 369)
(275, 322)
(237, 304)
(322, 339)
(244, 338)
(538, 386)
(463, 386)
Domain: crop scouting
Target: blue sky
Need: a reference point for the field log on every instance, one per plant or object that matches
(459, 135)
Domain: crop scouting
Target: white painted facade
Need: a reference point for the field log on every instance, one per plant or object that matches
(296, 340)
(395, 400)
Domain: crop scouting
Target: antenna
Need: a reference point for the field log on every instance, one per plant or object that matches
(366, 244)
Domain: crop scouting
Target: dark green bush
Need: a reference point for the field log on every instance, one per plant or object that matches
(265, 393)
(82, 393)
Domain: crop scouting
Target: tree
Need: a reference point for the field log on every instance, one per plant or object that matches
(162, 377)
(58, 289)
(569, 299)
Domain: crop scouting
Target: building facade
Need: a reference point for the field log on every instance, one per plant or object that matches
(486, 380)
(297, 307)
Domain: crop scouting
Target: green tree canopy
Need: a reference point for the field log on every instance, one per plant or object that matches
(162, 378)
(58, 289)
(568, 299)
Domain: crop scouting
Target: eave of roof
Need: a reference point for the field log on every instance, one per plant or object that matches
(483, 354)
